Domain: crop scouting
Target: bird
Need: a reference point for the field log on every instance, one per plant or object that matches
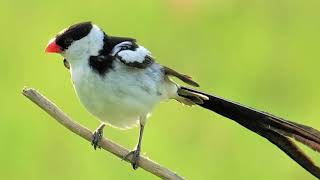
(120, 83)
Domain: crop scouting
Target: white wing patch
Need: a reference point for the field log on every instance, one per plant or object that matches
(134, 56)
(116, 49)
(129, 56)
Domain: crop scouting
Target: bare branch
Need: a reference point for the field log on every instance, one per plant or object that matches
(85, 133)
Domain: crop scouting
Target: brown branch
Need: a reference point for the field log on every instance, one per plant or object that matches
(85, 133)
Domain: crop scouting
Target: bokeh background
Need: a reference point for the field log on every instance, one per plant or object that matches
(262, 53)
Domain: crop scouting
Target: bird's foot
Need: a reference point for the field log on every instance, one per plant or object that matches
(97, 136)
(135, 158)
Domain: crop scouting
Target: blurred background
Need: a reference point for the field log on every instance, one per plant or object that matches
(262, 53)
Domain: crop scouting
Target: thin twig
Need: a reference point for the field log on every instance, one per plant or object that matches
(85, 133)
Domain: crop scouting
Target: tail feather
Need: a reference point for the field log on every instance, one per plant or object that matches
(278, 131)
(292, 150)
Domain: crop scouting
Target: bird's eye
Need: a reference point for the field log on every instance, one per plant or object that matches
(68, 41)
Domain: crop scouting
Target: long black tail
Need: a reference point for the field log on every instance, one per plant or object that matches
(278, 131)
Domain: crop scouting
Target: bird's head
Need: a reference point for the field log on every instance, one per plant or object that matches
(77, 42)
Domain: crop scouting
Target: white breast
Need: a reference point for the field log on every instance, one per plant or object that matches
(124, 94)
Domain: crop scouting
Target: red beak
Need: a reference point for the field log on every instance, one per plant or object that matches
(52, 47)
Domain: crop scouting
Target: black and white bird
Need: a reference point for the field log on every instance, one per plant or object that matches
(119, 82)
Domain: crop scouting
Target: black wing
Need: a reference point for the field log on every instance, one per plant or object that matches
(148, 60)
(132, 55)
(114, 49)
(111, 41)
(114, 40)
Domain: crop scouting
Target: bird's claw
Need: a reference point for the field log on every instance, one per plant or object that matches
(96, 137)
(135, 158)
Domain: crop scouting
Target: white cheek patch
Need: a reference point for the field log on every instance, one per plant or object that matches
(137, 55)
(78, 49)
(95, 38)
(89, 45)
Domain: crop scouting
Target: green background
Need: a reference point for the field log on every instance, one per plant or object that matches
(262, 53)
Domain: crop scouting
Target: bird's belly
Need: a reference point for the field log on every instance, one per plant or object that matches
(117, 99)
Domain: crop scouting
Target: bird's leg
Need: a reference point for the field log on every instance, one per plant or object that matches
(97, 136)
(136, 153)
